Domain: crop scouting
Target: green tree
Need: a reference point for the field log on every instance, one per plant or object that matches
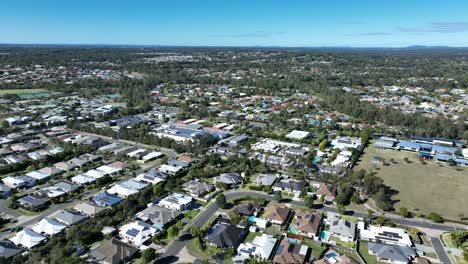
(303, 193)
(278, 196)
(221, 201)
(309, 202)
(404, 212)
(148, 255)
(323, 145)
(173, 231)
(195, 231)
(435, 217)
(341, 208)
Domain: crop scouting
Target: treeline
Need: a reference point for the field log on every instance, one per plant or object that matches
(409, 124)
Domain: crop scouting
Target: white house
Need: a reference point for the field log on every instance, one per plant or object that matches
(169, 169)
(261, 247)
(384, 234)
(346, 143)
(137, 232)
(150, 156)
(127, 188)
(297, 134)
(82, 179)
(176, 201)
(48, 227)
(14, 182)
(27, 238)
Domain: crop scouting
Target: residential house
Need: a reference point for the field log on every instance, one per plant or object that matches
(308, 223)
(288, 253)
(198, 188)
(226, 235)
(325, 189)
(341, 228)
(265, 179)
(261, 247)
(48, 227)
(106, 199)
(177, 201)
(127, 188)
(247, 208)
(8, 249)
(384, 234)
(67, 187)
(392, 253)
(33, 201)
(137, 232)
(152, 177)
(157, 216)
(276, 214)
(82, 179)
(230, 179)
(27, 238)
(69, 217)
(113, 252)
(89, 209)
(290, 185)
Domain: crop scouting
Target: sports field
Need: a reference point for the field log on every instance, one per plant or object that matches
(427, 187)
(22, 91)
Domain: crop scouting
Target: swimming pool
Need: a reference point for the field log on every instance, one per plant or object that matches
(252, 218)
(331, 255)
(325, 236)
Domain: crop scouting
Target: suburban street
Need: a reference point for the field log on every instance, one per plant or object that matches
(177, 245)
(440, 251)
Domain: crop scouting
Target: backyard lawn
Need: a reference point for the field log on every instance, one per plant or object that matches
(422, 187)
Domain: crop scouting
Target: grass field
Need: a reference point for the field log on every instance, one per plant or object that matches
(422, 188)
(22, 91)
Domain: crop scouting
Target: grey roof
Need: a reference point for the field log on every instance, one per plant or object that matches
(392, 252)
(198, 188)
(265, 179)
(226, 235)
(157, 215)
(228, 178)
(342, 227)
(8, 249)
(69, 218)
(66, 186)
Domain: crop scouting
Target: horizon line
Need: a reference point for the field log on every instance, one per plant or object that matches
(416, 46)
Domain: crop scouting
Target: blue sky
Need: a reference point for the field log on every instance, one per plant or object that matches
(363, 23)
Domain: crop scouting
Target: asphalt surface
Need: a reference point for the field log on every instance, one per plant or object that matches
(440, 251)
(177, 245)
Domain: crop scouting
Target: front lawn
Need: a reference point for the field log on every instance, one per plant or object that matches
(206, 254)
(190, 215)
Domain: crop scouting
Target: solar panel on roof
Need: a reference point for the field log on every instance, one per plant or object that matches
(132, 232)
(280, 250)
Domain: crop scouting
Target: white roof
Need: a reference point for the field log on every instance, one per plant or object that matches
(261, 246)
(12, 180)
(133, 153)
(37, 175)
(49, 227)
(396, 236)
(82, 179)
(95, 174)
(27, 238)
(169, 168)
(121, 190)
(298, 134)
(152, 155)
(108, 169)
(177, 198)
(53, 191)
